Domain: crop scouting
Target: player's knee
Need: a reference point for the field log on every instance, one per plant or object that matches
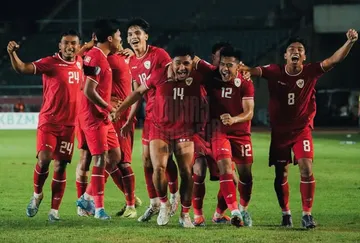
(44, 158)
(147, 161)
(60, 166)
(99, 160)
(123, 166)
(305, 166)
(186, 173)
(84, 162)
(159, 169)
(225, 166)
(199, 167)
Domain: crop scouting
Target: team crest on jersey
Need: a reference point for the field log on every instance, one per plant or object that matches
(78, 64)
(237, 82)
(300, 83)
(147, 64)
(188, 81)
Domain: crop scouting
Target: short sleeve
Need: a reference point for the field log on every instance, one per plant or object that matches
(91, 68)
(163, 58)
(269, 71)
(315, 70)
(43, 65)
(156, 77)
(247, 89)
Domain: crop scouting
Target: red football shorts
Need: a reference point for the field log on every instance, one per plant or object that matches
(58, 139)
(126, 143)
(97, 139)
(299, 141)
(169, 137)
(146, 131)
(237, 148)
(203, 150)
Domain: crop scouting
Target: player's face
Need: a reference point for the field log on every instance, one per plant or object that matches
(137, 37)
(182, 66)
(228, 68)
(295, 54)
(216, 58)
(115, 42)
(69, 46)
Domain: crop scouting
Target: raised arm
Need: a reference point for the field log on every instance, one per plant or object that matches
(342, 52)
(16, 63)
(255, 71)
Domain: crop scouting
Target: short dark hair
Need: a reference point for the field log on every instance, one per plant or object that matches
(219, 45)
(142, 23)
(293, 40)
(70, 32)
(103, 28)
(182, 50)
(231, 52)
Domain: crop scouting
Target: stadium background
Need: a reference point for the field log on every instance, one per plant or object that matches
(260, 28)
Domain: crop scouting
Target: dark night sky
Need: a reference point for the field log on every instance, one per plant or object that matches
(28, 10)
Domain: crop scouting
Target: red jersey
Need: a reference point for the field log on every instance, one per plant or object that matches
(121, 76)
(142, 70)
(292, 97)
(227, 97)
(91, 115)
(61, 82)
(177, 103)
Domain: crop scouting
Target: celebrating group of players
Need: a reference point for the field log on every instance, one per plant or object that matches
(199, 112)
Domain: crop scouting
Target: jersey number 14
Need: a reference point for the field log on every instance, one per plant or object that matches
(178, 92)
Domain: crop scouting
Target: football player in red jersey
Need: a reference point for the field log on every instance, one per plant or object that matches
(174, 110)
(61, 75)
(143, 66)
(203, 154)
(292, 109)
(96, 132)
(230, 127)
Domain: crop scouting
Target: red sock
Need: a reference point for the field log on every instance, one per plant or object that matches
(185, 206)
(198, 194)
(172, 177)
(281, 186)
(98, 185)
(149, 182)
(228, 190)
(221, 205)
(128, 179)
(89, 189)
(116, 175)
(163, 199)
(245, 192)
(81, 185)
(40, 175)
(307, 190)
(58, 188)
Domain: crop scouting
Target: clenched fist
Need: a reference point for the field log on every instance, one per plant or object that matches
(12, 46)
(352, 35)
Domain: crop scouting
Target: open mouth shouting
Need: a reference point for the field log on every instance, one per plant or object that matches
(295, 58)
(181, 74)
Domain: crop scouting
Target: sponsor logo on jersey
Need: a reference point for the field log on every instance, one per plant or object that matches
(147, 64)
(300, 83)
(237, 82)
(188, 81)
(87, 59)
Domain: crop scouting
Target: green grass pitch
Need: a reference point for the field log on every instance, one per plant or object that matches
(336, 206)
